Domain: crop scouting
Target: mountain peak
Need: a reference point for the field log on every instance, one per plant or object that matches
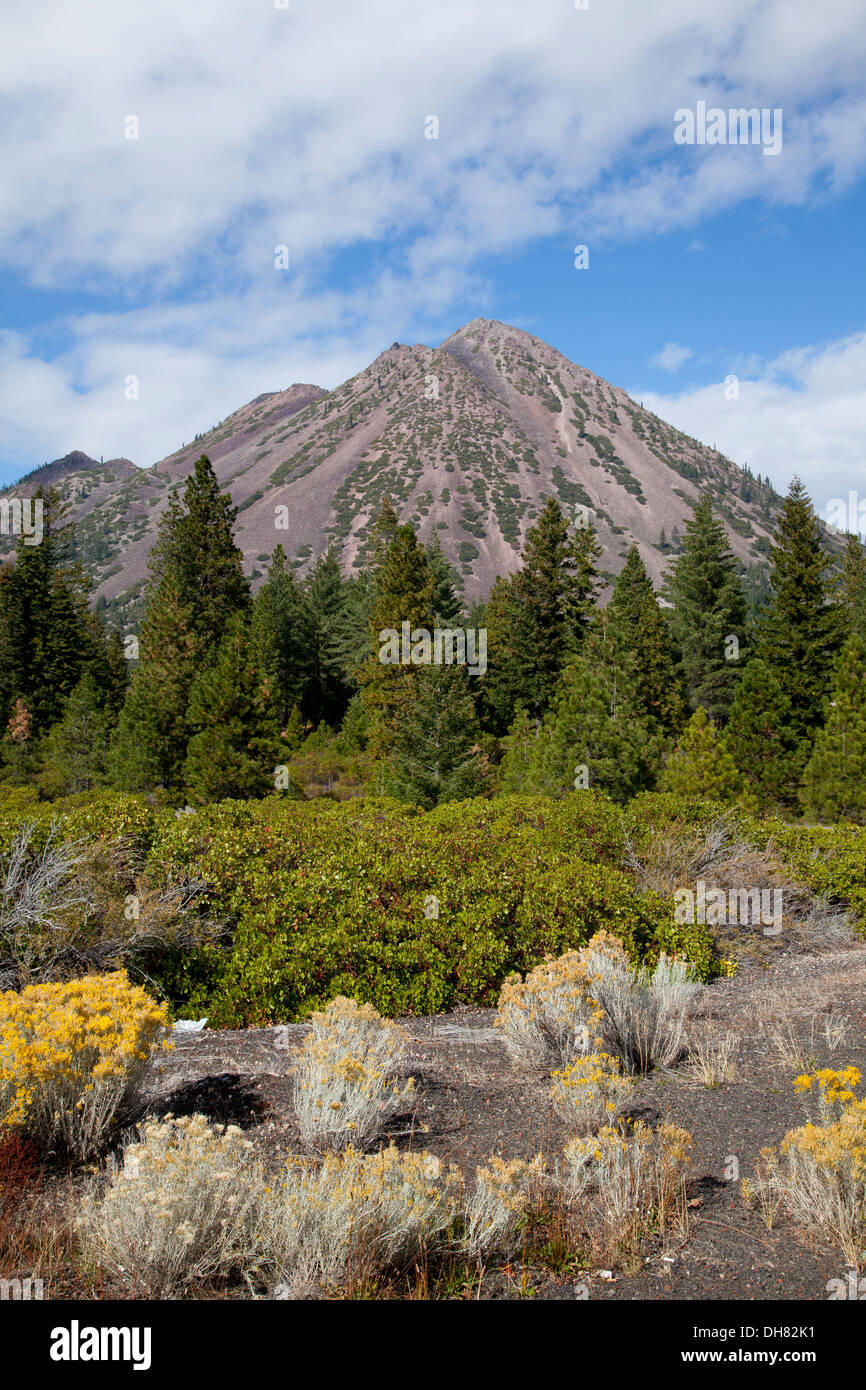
(468, 439)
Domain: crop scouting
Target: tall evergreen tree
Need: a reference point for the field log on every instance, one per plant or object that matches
(594, 734)
(798, 630)
(403, 594)
(195, 590)
(196, 545)
(709, 610)
(634, 609)
(758, 737)
(434, 752)
(834, 783)
(148, 747)
(235, 748)
(283, 637)
(48, 636)
(851, 589)
(328, 604)
(446, 603)
(538, 619)
(700, 765)
(76, 748)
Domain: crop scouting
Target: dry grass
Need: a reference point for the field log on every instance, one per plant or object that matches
(712, 1062)
(677, 856)
(36, 1229)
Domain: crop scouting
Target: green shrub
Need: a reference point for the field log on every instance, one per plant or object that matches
(411, 913)
(828, 859)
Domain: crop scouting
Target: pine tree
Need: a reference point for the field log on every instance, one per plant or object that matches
(634, 609)
(434, 752)
(593, 735)
(834, 783)
(48, 636)
(446, 603)
(709, 610)
(235, 747)
(851, 590)
(757, 735)
(195, 590)
(538, 619)
(76, 749)
(798, 630)
(403, 594)
(196, 545)
(148, 747)
(328, 605)
(509, 647)
(283, 636)
(700, 765)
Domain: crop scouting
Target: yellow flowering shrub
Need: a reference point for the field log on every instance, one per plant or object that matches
(818, 1173)
(589, 1091)
(71, 1056)
(499, 1199)
(833, 1090)
(549, 1017)
(345, 1089)
(179, 1207)
(340, 1224)
(626, 1183)
(595, 997)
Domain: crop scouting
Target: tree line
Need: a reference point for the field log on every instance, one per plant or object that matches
(221, 692)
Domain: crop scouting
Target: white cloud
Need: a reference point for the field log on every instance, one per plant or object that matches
(671, 357)
(803, 412)
(261, 125)
(306, 127)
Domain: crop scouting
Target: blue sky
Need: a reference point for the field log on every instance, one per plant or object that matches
(306, 126)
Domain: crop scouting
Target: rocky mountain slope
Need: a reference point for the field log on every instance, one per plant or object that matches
(467, 439)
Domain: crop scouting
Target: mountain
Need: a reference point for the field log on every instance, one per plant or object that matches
(467, 439)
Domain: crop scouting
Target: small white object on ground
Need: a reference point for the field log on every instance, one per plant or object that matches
(189, 1025)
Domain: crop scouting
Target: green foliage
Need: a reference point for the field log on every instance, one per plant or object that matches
(834, 782)
(709, 608)
(828, 859)
(235, 744)
(634, 610)
(49, 638)
(335, 899)
(434, 751)
(595, 730)
(798, 631)
(197, 587)
(282, 636)
(757, 734)
(196, 547)
(76, 749)
(851, 589)
(537, 619)
(701, 765)
(148, 748)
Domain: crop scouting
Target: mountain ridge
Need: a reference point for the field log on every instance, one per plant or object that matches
(467, 439)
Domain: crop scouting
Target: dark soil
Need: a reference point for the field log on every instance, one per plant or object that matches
(470, 1102)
